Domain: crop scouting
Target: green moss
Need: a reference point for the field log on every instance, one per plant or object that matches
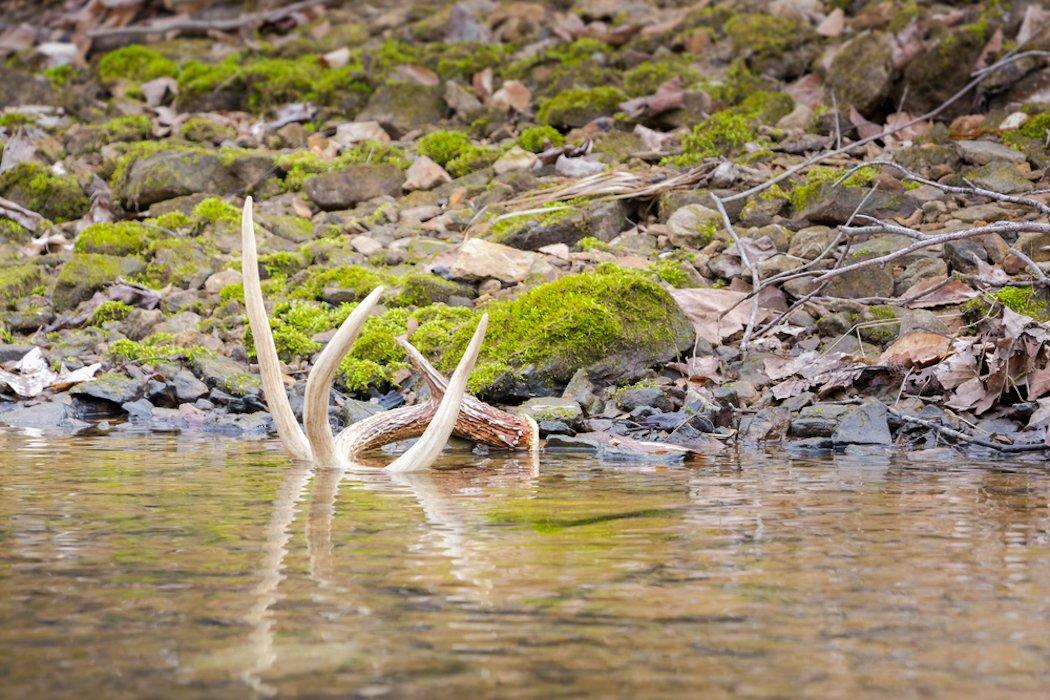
(55, 197)
(442, 146)
(110, 311)
(18, 280)
(120, 238)
(671, 272)
(570, 55)
(299, 166)
(819, 176)
(135, 63)
(472, 158)
(171, 221)
(1037, 127)
(83, 274)
(1022, 300)
(424, 289)
(13, 231)
(215, 210)
(886, 330)
(578, 106)
(204, 130)
(16, 119)
(281, 263)
(358, 280)
(537, 138)
(646, 77)
(727, 131)
(571, 322)
(265, 82)
(591, 243)
(159, 347)
(232, 292)
(61, 76)
(764, 36)
(548, 214)
(376, 356)
(132, 127)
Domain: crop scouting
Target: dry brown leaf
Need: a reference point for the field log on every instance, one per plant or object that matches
(953, 292)
(705, 308)
(667, 97)
(916, 349)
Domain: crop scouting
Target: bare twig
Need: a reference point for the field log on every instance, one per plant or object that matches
(929, 241)
(959, 435)
(882, 134)
(184, 24)
(756, 278)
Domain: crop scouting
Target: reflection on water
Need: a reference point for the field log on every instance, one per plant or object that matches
(201, 568)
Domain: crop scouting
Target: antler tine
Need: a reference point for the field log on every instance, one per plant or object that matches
(288, 429)
(427, 449)
(319, 383)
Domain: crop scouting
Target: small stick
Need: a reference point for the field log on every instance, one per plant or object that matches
(958, 435)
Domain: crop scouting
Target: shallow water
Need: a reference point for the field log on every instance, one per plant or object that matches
(177, 567)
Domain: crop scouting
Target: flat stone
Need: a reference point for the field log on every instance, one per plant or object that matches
(53, 417)
(478, 259)
(1004, 178)
(424, 174)
(819, 420)
(111, 387)
(985, 152)
(551, 408)
(173, 174)
(351, 133)
(690, 226)
(602, 221)
(867, 424)
(356, 183)
(365, 245)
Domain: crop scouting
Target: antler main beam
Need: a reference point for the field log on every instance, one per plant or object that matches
(449, 411)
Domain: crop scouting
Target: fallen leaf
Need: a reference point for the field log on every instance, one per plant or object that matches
(954, 292)
(916, 349)
(705, 308)
(667, 97)
(31, 375)
(512, 95)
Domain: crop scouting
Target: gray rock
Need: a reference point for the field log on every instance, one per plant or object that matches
(187, 386)
(834, 204)
(809, 242)
(582, 391)
(225, 374)
(9, 352)
(868, 424)
(53, 417)
(110, 387)
(819, 420)
(174, 174)
(1000, 177)
(637, 397)
(554, 427)
(402, 106)
(356, 183)
(765, 425)
(18, 89)
(862, 74)
(985, 152)
(693, 225)
(551, 408)
(602, 221)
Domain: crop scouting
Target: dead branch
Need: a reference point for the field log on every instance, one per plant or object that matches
(184, 24)
(959, 435)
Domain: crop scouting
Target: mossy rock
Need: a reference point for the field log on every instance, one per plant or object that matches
(17, 281)
(424, 289)
(579, 106)
(201, 129)
(861, 73)
(566, 223)
(935, 76)
(224, 374)
(614, 321)
(18, 89)
(120, 238)
(35, 187)
(87, 273)
(175, 173)
(81, 139)
(402, 106)
(776, 46)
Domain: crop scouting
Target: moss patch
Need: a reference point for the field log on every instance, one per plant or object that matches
(18, 280)
(120, 238)
(1022, 300)
(110, 311)
(725, 132)
(135, 63)
(537, 138)
(35, 187)
(578, 106)
(442, 146)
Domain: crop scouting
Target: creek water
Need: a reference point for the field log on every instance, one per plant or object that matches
(166, 566)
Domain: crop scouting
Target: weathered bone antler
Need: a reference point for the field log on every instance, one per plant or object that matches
(449, 411)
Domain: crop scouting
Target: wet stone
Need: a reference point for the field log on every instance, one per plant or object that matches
(867, 424)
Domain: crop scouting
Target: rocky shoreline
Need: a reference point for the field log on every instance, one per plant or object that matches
(726, 227)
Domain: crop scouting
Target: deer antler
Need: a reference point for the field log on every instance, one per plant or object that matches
(449, 411)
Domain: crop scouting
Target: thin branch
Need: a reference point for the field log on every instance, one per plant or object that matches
(958, 435)
(756, 278)
(930, 241)
(881, 135)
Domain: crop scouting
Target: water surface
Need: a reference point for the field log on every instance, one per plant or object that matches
(181, 567)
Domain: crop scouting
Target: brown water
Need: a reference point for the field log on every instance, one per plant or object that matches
(176, 567)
